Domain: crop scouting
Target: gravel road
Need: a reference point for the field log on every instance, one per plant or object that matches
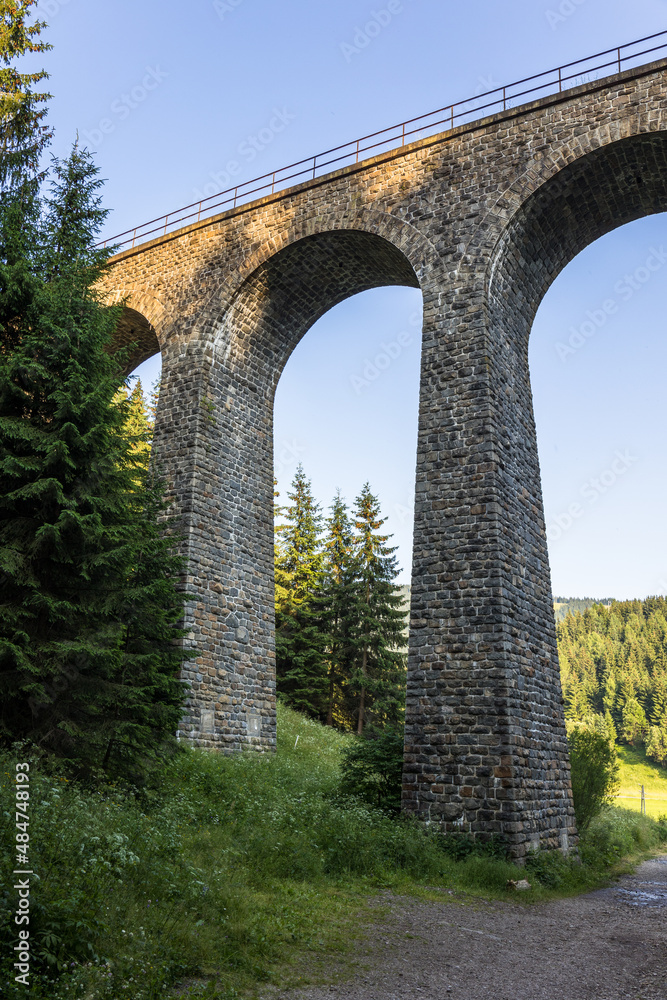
(606, 945)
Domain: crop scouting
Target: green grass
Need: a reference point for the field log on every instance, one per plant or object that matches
(638, 770)
(238, 871)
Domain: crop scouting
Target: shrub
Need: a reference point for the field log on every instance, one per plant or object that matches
(460, 846)
(372, 769)
(595, 772)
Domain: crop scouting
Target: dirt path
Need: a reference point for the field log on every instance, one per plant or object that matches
(607, 945)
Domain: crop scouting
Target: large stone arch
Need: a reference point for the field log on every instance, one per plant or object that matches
(243, 343)
(495, 680)
(290, 290)
(226, 295)
(607, 187)
(140, 328)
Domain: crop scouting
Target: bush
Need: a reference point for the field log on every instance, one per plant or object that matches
(372, 769)
(460, 846)
(595, 772)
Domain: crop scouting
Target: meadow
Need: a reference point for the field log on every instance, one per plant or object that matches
(226, 874)
(638, 770)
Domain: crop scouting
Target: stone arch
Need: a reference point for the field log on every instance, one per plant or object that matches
(139, 327)
(517, 250)
(609, 186)
(216, 308)
(292, 288)
(549, 163)
(414, 245)
(232, 621)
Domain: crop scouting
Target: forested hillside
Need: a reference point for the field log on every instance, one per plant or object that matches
(613, 663)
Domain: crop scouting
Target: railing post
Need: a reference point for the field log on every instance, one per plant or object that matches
(560, 80)
(504, 99)
(199, 212)
(452, 116)
(166, 220)
(315, 163)
(236, 191)
(134, 237)
(357, 160)
(619, 60)
(273, 182)
(403, 135)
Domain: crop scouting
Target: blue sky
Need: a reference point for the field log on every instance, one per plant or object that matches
(169, 93)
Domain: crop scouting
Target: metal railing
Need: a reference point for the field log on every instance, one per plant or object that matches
(445, 119)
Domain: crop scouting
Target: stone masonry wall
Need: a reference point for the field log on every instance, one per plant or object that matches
(482, 219)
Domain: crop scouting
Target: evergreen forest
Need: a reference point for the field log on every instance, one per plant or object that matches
(613, 662)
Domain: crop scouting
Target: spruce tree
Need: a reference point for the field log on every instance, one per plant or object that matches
(89, 609)
(376, 625)
(337, 602)
(153, 400)
(138, 429)
(23, 137)
(300, 637)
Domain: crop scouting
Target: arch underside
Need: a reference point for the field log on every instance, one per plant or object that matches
(290, 291)
(616, 184)
(135, 335)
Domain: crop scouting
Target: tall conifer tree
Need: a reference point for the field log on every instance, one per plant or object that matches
(300, 637)
(89, 610)
(23, 138)
(337, 602)
(377, 680)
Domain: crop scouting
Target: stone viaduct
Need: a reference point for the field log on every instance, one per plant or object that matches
(482, 218)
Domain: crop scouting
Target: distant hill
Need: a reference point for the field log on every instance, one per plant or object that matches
(563, 606)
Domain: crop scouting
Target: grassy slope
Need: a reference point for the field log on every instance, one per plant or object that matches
(638, 770)
(238, 871)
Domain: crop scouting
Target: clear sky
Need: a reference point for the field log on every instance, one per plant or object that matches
(183, 89)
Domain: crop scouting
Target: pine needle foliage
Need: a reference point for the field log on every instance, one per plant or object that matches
(300, 636)
(378, 675)
(339, 615)
(23, 137)
(613, 661)
(337, 601)
(89, 606)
